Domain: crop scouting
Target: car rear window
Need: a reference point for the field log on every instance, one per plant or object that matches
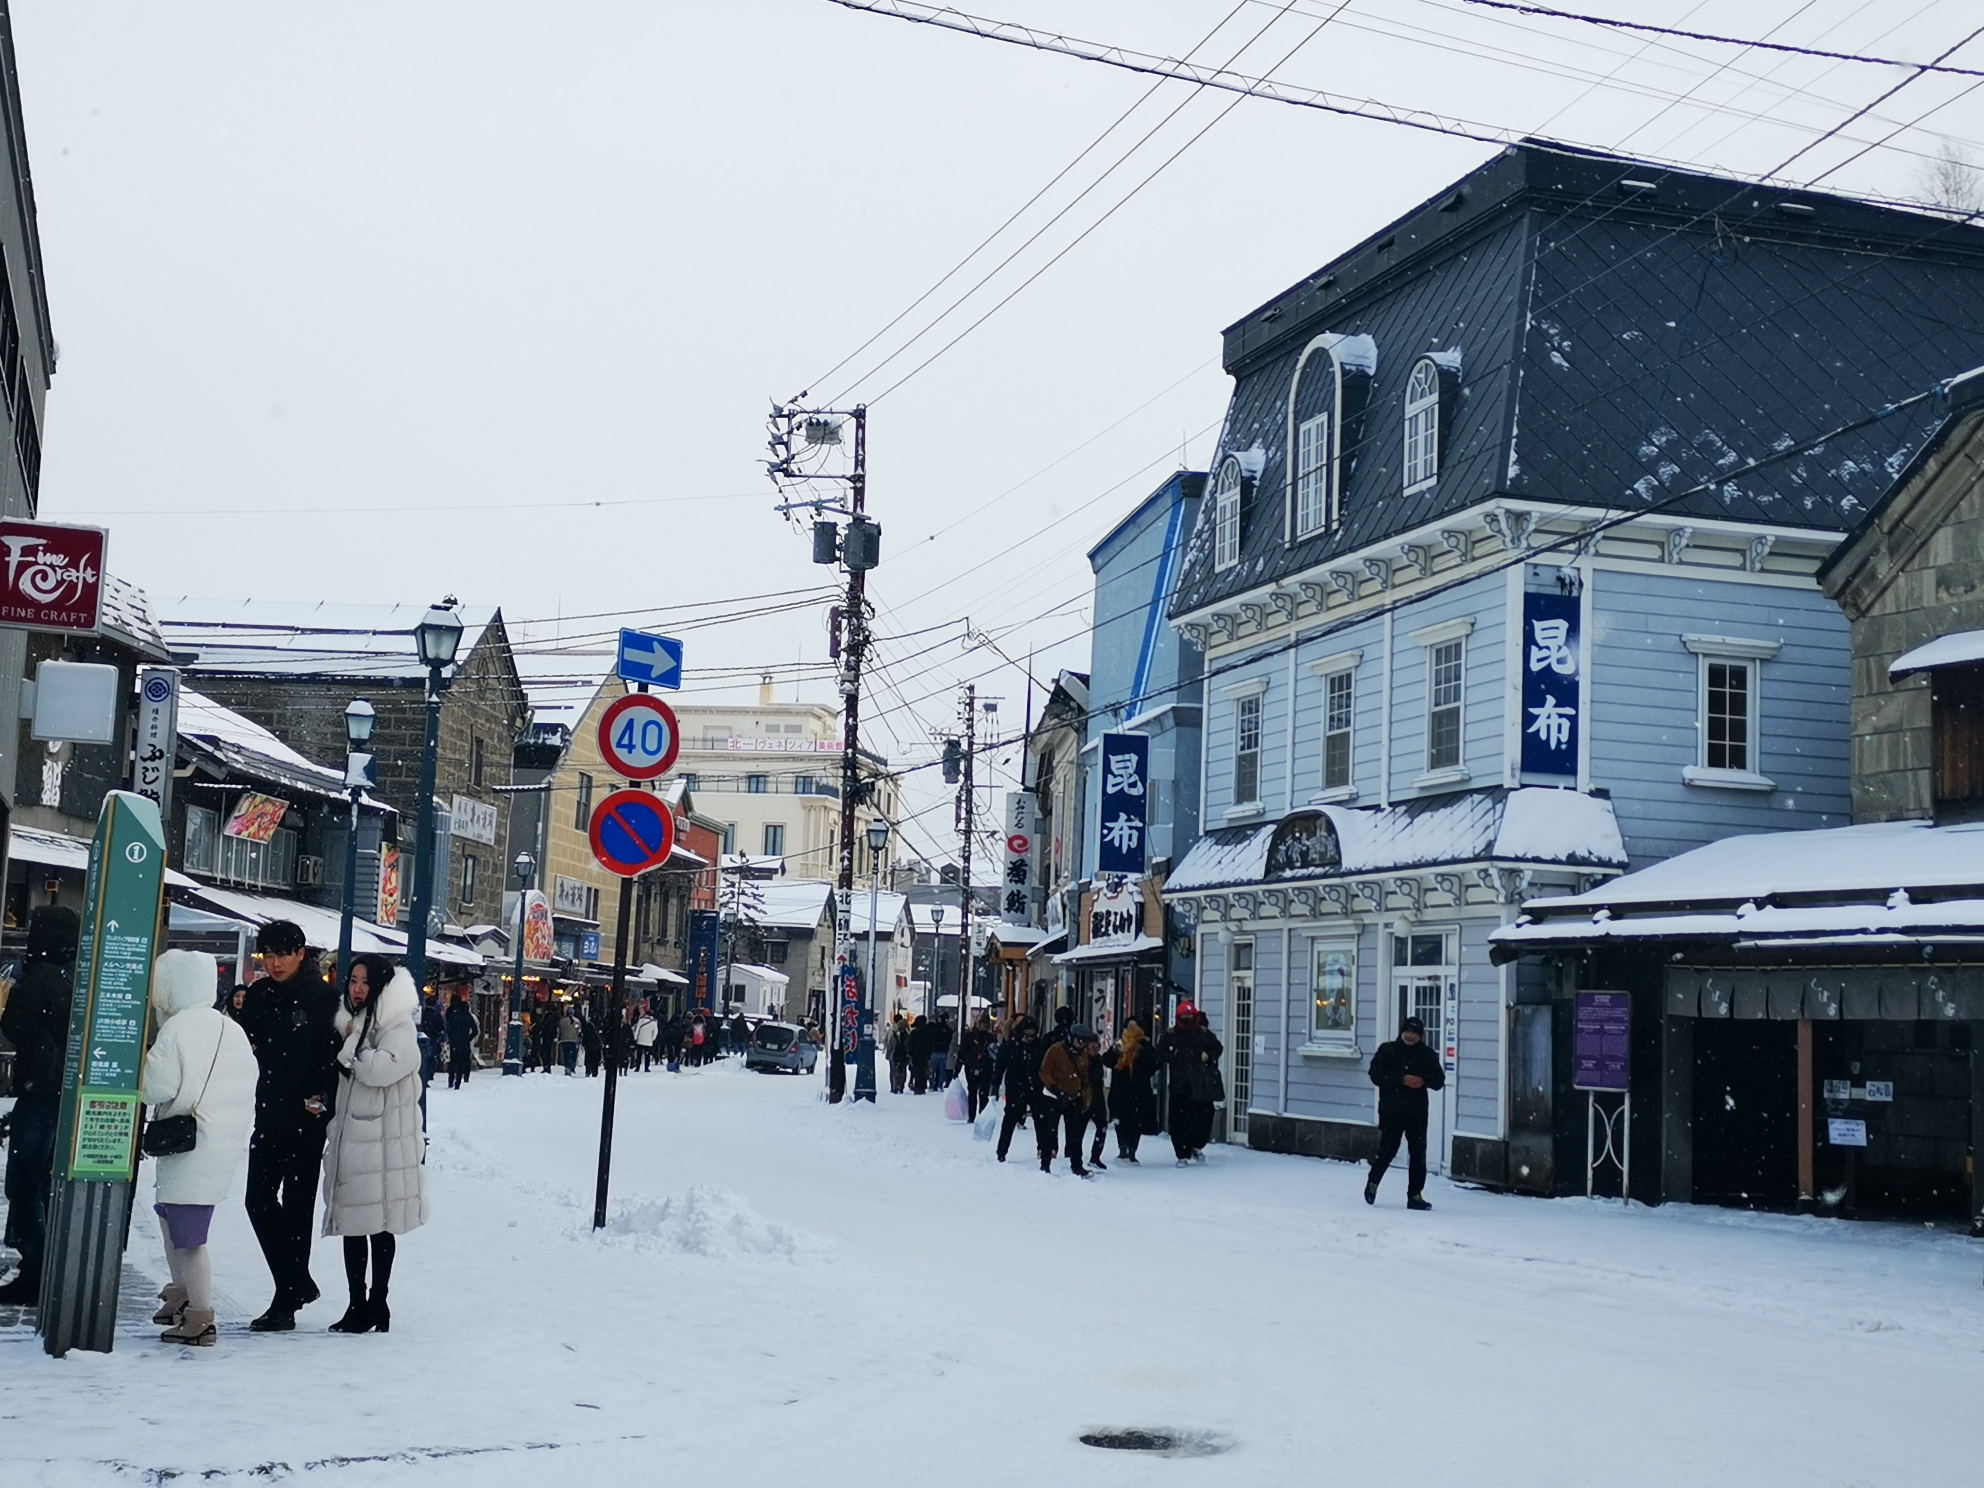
(779, 1039)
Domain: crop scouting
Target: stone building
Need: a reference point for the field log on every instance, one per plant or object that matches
(292, 667)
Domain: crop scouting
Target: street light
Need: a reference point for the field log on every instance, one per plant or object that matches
(435, 639)
(513, 1045)
(359, 717)
(864, 1048)
(936, 961)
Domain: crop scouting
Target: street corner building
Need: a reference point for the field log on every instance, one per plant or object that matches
(1507, 577)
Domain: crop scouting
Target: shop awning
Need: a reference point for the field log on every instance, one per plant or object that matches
(662, 974)
(1964, 648)
(59, 850)
(320, 926)
(1122, 950)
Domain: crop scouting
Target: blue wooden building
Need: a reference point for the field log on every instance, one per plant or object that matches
(1505, 578)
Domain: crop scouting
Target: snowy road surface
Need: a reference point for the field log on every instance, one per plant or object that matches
(795, 1294)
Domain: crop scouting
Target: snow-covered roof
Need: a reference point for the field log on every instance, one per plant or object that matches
(759, 973)
(1860, 885)
(1532, 824)
(888, 913)
(244, 745)
(561, 685)
(1958, 649)
(59, 850)
(264, 637)
(1111, 951)
(796, 904)
(126, 616)
(1016, 935)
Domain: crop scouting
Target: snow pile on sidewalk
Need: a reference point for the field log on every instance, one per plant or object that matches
(707, 1221)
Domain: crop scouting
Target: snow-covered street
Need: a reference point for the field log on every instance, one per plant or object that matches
(790, 1292)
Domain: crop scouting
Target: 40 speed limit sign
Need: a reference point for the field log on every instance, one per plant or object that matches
(638, 736)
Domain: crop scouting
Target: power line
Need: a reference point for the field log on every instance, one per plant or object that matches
(1613, 24)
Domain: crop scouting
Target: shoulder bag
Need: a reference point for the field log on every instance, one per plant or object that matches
(171, 1135)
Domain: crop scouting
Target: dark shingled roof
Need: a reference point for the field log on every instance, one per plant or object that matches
(1617, 346)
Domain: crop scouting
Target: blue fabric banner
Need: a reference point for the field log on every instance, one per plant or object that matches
(1125, 819)
(1552, 684)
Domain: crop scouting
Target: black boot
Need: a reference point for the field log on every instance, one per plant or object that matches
(280, 1318)
(357, 1317)
(382, 1315)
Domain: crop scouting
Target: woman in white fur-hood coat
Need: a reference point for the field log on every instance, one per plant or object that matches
(374, 1181)
(200, 1064)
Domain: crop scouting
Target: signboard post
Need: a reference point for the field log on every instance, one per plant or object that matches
(631, 831)
(96, 1136)
(157, 744)
(1602, 1061)
(1016, 894)
(1125, 814)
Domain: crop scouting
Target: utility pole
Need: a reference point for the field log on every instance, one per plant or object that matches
(802, 443)
(967, 807)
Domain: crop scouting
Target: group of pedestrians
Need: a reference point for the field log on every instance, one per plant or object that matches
(919, 1053)
(1072, 1089)
(323, 1086)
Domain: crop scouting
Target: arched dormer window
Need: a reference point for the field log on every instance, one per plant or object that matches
(1422, 426)
(1326, 404)
(1226, 515)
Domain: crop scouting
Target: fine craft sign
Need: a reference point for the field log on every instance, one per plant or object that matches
(96, 1138)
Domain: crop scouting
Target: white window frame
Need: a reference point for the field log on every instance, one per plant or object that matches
(1430, 640)
(468, 880)
(1752, 654)
(1243, 705)
(1422, 427)
(206, 836)
(1346, 679)
(1226, 517)
(1313, 486)
(1318, 947)
(263, 865)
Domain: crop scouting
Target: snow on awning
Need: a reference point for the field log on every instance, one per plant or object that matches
(1749, 924)
(320, 926)
(1532, 824)
(1121, 950)
(59, 850)
(1959, 649)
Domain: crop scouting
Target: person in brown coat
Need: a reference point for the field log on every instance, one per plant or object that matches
(1064, 1090)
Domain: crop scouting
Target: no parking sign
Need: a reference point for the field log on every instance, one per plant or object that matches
(632, 831)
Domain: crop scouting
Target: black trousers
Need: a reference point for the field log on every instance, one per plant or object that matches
(1411, 1127)
(1079, 1122)
(30, 1169)
(898, 1075)
(283, 1171)
(1191, 1125)
(977, 1091)
(1128, 1134)
(1010, 1123)
(461, 1062)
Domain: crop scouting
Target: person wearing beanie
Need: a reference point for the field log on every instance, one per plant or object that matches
(1404, 1070)
(36, 1023)
(1191, 1053)
(1064, 1096)
(200, 1066)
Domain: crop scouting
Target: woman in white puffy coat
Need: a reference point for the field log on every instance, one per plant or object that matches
(374, 1182)
(200, 1064)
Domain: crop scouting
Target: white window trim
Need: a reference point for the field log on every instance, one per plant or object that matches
(1324, 473)
(1239, 692)
(1414, 407)
(1333, 488)
(1252, 687)
(1344, 665)
(1431, 637)
(1343, 661)
(1722, 648)
(1324, 1043)
(1220, 505)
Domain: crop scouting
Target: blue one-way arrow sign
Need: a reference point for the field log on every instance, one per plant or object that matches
(655, 660)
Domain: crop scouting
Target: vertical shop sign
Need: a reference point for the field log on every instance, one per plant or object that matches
(1125, 815)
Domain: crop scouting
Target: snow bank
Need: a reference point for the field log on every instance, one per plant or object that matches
(707, 1221)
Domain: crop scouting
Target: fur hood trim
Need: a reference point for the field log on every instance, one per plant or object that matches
(397, 1004)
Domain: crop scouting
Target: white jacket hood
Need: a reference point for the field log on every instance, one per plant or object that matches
(397, 1004)
(182, 980)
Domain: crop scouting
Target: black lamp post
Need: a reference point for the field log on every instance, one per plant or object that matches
(436, 639)
(513, 1044)
(358, 720)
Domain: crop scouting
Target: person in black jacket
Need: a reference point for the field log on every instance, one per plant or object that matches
(920, 1039)
(36, 1023)
(462, 1029)
(976, 1057)
(1404, 1070)
(1132, 1102)
(287, 1016)
(1017, 1075)
(1191, 1054)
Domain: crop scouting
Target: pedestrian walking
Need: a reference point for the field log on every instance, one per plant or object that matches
(463, 1031)
(920, 1029)
(36, 1023)
(740, 1033)
(1132, 1101)
(940, 1054)
(1191, 1055)
(289, 1017)
(433, 1038)
(979, 1040)
(1404, 1070)
(568, 1040)
(375, 1186)
(589, 1040)
(200, 1066)
(1017, 1075)
(1095, 1114)
(897, 1045)
(646, 1031)
(1064, 1094)
(546, 1033)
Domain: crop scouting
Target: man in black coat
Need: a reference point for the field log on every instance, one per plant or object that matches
(1017, 1074)
(36, 1023)
(462, 1030)
(1404, 1070)
(287, 1016)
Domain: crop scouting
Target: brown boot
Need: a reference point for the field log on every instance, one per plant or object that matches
(171, 1303)
(195, 1327)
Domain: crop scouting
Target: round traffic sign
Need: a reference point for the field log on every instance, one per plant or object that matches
(638, 736)
(632, 831)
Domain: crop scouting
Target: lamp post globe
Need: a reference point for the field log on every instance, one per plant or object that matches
(436, 639)
(513, 1038)
(359, 716)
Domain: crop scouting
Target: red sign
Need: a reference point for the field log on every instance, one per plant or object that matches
(1019, 843)
(638, 736)
(51, 578)
(632, 831)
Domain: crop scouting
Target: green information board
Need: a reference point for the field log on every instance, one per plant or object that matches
(97, 1140)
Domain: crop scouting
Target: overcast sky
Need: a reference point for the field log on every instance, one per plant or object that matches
(386, 301)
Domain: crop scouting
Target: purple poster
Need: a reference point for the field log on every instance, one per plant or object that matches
(1601, 1049)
